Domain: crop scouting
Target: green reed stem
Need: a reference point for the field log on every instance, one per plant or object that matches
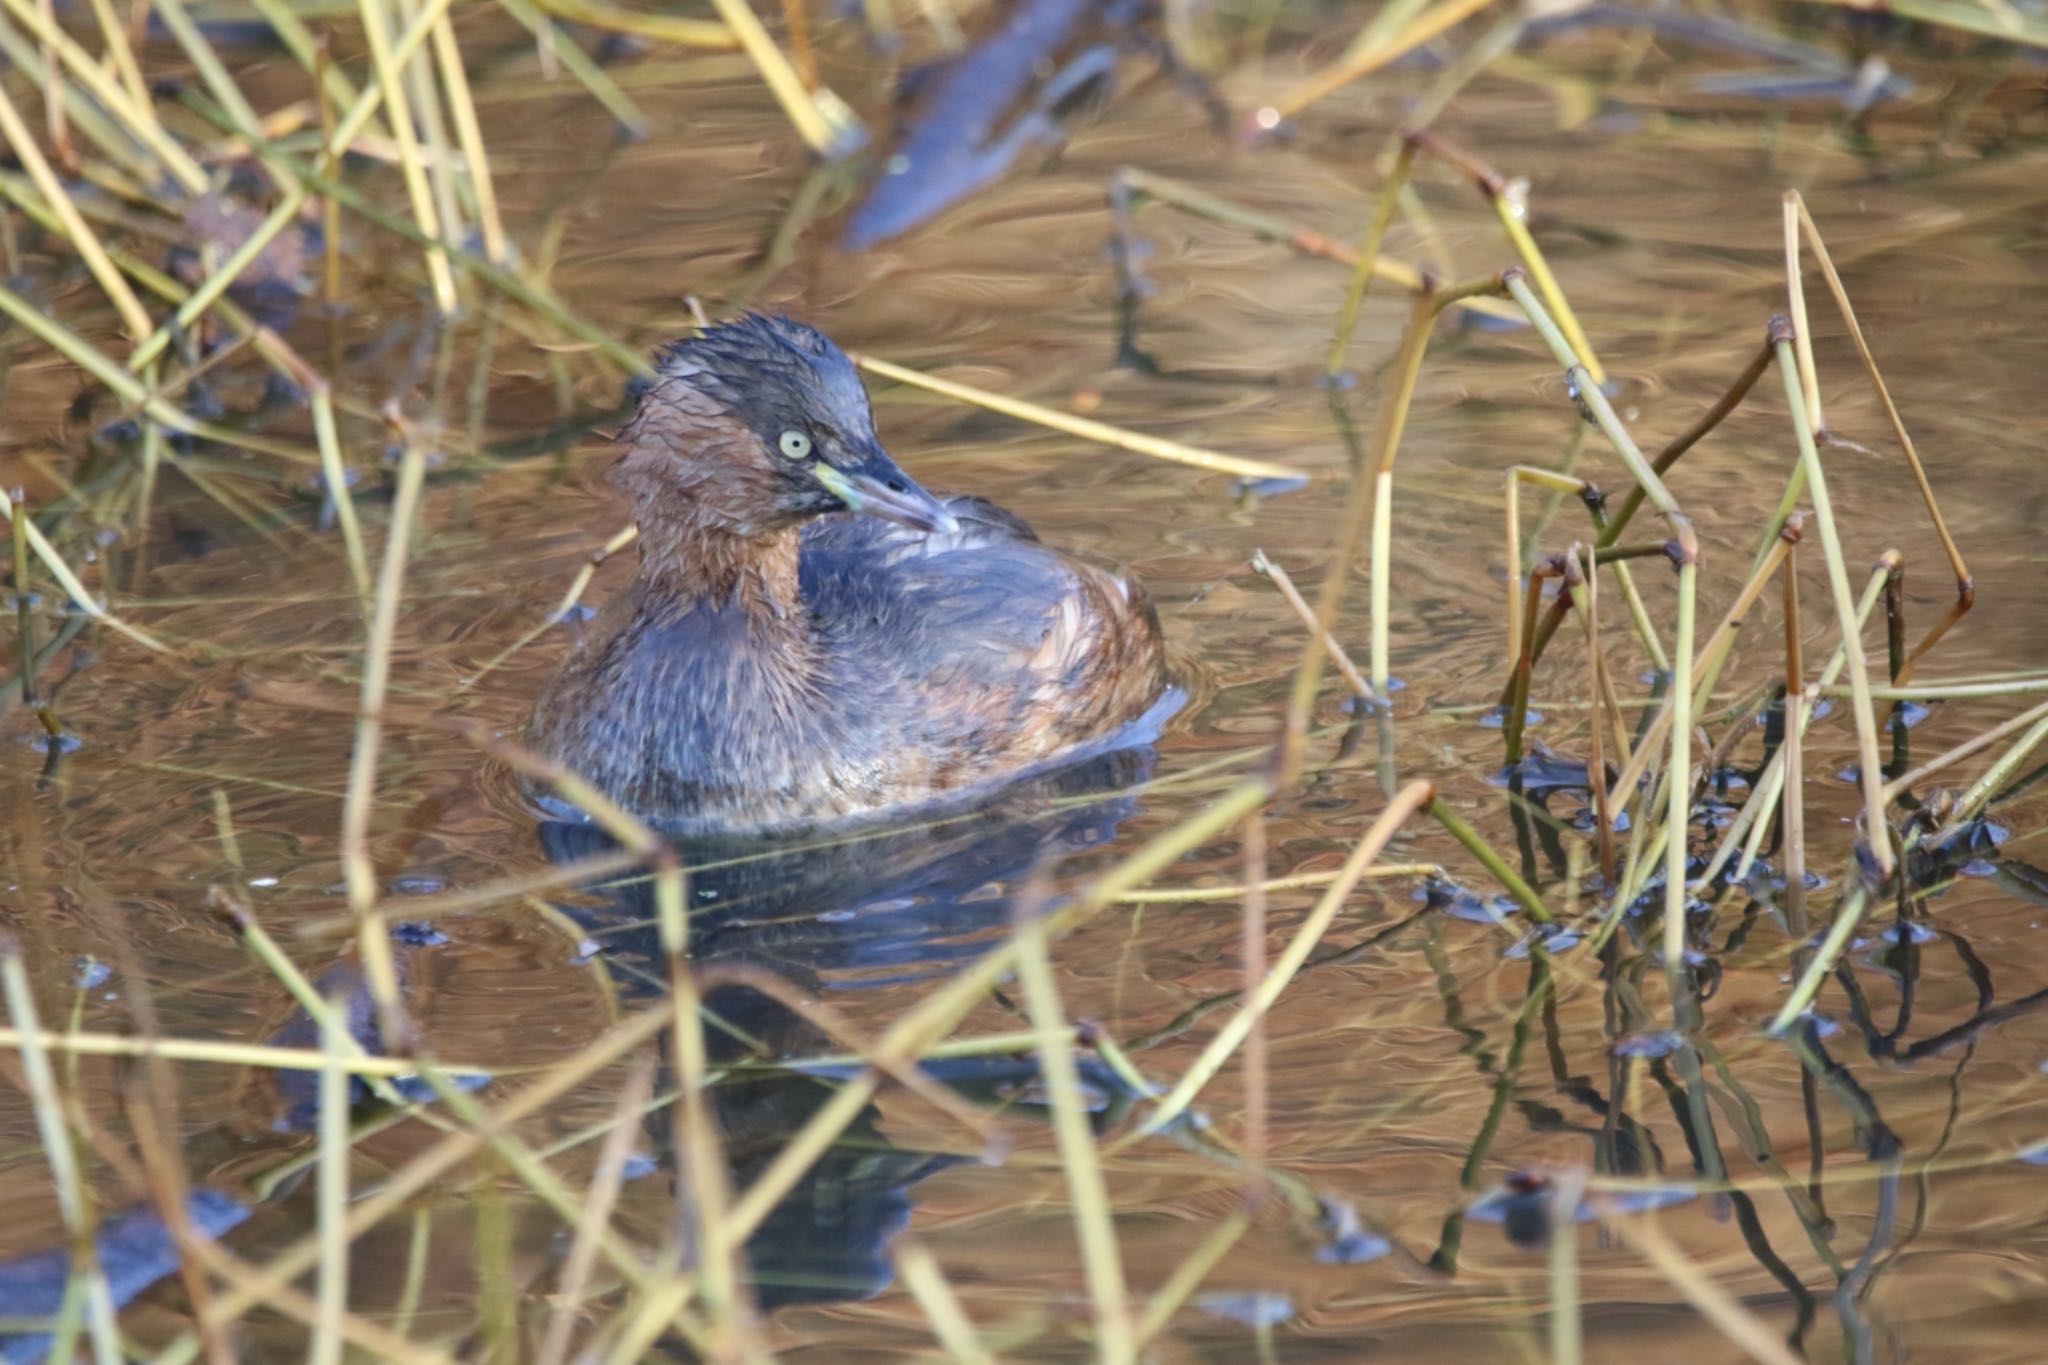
(1876, 831)
(1567, 1332)
(82, 238)
(24, 611)
(1905, 782)
(74, 1199)
(1087, 1193)
(208, 64)
(1847, 916)
(938, 1012)
(577, 63)
(334, 474)
(61, 571)
(1369, 255)
(1764, 796)
(1513, 214)
(220, 280)
(1995, 778)
(1524, 894)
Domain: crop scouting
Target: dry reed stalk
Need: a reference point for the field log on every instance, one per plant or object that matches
(1426, 27)
(208, 1050)
(1518, 475)
(1515, 719)
(1252, 952)
(942, 1312)
(820, 117)
(1412, 798)
(377, 34)
(927, 1021)
(573, 1281)
(1567, 1331)
(578, 64)
(121, 53)
(1299, 881)
(836, 1027)
(112, 283)
(1980, 792)
(1306, 614)
(88, 71)
(1738, 1324)
(618, 541)
(239, 1278)
(702, 33)
(373, 940)
(1085, 428)
(462, 105)
(421, 1172)
(1966, 596)
(1267, 227)
(1792, 812)
(1685, 553)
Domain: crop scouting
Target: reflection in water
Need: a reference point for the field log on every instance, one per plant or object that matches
(848, 914)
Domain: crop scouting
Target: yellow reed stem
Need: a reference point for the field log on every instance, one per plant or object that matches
(1085, 428)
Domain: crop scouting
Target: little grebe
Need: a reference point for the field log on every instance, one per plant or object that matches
(773, 666)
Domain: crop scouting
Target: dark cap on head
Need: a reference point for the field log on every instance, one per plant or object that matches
(802, 400)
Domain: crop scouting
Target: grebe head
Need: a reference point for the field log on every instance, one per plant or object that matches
(761, 423)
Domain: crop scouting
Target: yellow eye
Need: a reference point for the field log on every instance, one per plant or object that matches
(794, 445)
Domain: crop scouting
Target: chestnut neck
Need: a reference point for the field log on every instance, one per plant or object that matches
(690, 562)
(710, 529)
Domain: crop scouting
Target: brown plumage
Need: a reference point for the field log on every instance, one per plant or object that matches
(775, 666)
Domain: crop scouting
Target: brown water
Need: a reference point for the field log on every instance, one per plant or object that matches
(1661, 217)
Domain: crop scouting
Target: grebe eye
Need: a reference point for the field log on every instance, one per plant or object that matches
(794, 445)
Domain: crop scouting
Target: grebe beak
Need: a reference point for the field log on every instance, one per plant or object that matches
(878, 488)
